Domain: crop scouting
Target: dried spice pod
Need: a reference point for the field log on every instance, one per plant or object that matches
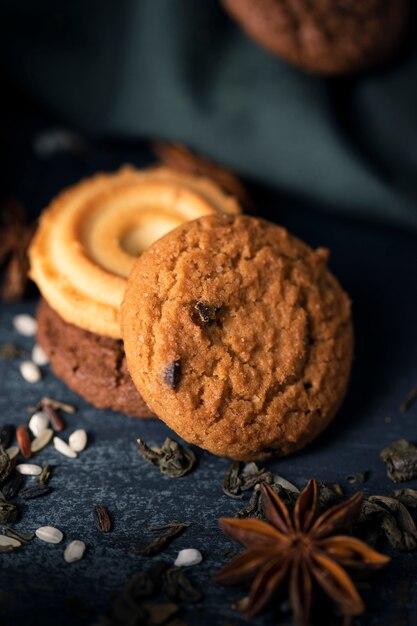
(102, 517)
(157, 544)
(23, 441)
(7, 434)
(400, 458)
(183, 159)
(172, 458)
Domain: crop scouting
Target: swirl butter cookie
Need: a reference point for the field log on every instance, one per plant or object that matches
(238, 336)
(84, 247)
(325, 36)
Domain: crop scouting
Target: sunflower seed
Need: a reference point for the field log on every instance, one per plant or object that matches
(78, 440)
(103, 520)
(6, 466)
(24, 538)
(188, 557)
(45, 474)
(30, 372)
(25, 324)
(9, 541)
(64, 448)
(12, 487)
(12, 452)
(38, 423)
(42, 440)
(34, 491)
(55, 419)
(49, 534)
(29, 469)
(23, 441)
(74, 551)
(38, 355)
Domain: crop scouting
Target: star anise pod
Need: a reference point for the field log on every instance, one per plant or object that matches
(15, 237)
(298, 553)
(181, 158)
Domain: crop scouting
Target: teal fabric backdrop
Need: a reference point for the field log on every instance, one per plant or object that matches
(182, 70)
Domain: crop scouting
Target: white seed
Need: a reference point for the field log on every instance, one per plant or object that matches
(25, 324)
(188, 557)
(9, 541)
(30, 372)
(74, 551)
(29, 469)
(13, 452)
(42, 440)
(38, 355)
(38, 423)
(78, 440)
(49, 534)
(64, 448)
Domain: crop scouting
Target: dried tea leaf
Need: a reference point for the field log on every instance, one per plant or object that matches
(231, 481)
(12, 486)
(11, 351)
(6, 465)
(409, 400)
(24, 538)
(178, 587)
(329, 494)
(102, 517)
(34, 491)
(237, 479)
(45, 474)
(160, 613)
(157, 544)
(397, 523)
(357, 477)
(406, 496)
(172, 458)
(172, 375)
(8, 511)
(400, 458)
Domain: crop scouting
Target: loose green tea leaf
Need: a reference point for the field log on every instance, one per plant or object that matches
(157, 544)
(400, 458)
(406, 496)
(102, 517)
(178, 587)
(45, 474)
(172, 458)
(329, 494)
(24, 538)
(397, 523)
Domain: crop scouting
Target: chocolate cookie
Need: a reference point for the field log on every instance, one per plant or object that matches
(325, 36)
(238, 336)
(92, 365)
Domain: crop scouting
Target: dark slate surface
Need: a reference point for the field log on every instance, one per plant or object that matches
(378, 268)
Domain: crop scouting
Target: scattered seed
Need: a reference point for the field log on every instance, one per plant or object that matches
(34, 491)
(64, 448)
(29, 469)
(188, 557)
(30, 372)
(6, 466)
(39, 356)
(45, 474)
(7, 433)
(25, 324)
(42, 440)
(103, 520)
(57, 405)
(78, 440)
(74, 551)
(12, 487)
(172, 375)
(23, 441)
(24, 538)
(49, 534)
(56, 420)
(9, 541)
(38, 423)
(12, 452)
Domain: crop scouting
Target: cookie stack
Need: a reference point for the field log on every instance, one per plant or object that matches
(235, 333)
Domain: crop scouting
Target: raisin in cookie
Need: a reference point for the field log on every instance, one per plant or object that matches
(238, 336)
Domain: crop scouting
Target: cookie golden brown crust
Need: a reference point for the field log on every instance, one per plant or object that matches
(324, 36)
(93, 366)
(238, 336)
(90, 235)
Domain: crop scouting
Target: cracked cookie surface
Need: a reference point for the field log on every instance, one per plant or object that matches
(238, 336)
(92, 365)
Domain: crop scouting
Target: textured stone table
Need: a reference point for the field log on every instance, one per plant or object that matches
(378, 268)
